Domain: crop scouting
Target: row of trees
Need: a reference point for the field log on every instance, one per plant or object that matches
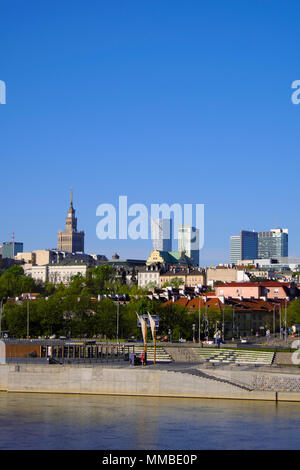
(74, 310)
(98, 280)
(83, 317)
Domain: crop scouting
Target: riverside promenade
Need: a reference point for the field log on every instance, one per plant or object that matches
(186, 376)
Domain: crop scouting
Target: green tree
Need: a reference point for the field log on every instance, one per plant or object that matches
(105, 319)
(51, 312)
(176, 282)
(175, 318)
(97, 276)
(14, 282)
(15, 319)
(128, 320)
(293, 313)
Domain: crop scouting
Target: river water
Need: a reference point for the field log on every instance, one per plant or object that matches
(67, 422)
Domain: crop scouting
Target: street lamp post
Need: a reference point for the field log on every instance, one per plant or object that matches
(285, 315)
(285, 320)
(280, 321)
(154, 342)
(206, 323)
(118, 306)
(199, 322)
(27, 319)
(1, 311)
(223, 324)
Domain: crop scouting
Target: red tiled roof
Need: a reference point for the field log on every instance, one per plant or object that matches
(257, 305)
(255, 284)
(193, 304)
(183, 301)
(275, 284)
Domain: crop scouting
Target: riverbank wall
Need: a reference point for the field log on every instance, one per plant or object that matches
(138, 381)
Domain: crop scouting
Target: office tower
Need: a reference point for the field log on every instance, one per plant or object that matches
(188, 242)
(71, 240)
(161, 234)
(243, 246)
(11, 249)
(235, 249)
(273, 244)
(249, 244)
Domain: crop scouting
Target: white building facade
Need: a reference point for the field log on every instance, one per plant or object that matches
(56, 274)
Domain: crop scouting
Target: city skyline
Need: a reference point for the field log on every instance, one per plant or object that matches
(162, 229)
(199, 102)
(259, 245)
(149, 243)
(161, 232)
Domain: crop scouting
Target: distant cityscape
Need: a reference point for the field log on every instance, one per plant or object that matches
(253, 255)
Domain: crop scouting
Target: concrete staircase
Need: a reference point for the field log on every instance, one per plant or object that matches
(234, 356)
(181, 354)
(204, 375)
(161, 354)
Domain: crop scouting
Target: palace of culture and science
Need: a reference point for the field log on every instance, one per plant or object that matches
(71, 240)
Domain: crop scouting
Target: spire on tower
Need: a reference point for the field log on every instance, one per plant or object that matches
(71, 240)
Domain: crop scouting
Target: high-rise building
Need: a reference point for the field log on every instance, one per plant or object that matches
(249, 244)
(71, 240)
(235, 248)
(188, 242)
(161, 234)
(243, 246)
(273, 244)
(11, 249)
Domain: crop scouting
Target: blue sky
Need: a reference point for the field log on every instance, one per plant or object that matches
(162, 101)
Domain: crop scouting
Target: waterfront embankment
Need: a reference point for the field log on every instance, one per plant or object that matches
(191, 381)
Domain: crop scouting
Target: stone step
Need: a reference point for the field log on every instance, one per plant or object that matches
(240, 357)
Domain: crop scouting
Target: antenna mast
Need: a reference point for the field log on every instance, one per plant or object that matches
(13, 245)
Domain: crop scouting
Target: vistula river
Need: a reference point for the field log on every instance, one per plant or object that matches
(85, 422)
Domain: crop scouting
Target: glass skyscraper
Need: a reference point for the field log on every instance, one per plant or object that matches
(161, 234)
(243, 246)
(11, 249)
(235, 249)
(273, 244)
(188, 242)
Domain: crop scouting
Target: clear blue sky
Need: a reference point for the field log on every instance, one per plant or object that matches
(160, 100)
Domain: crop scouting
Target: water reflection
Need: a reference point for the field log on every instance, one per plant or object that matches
(36, 421)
